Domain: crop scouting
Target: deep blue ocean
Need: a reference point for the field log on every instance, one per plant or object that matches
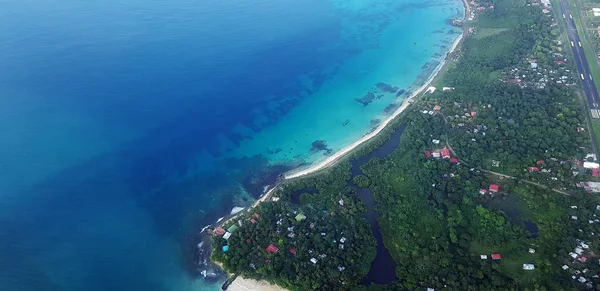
(125, 126)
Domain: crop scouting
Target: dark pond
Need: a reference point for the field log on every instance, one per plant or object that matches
(295, 196)
(514, 210)
(383, 268)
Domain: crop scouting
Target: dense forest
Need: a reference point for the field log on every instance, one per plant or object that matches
(453, 223)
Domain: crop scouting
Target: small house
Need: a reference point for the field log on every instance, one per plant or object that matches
(313, 260)
(227, 235)
(436, 154)
(300, 217)
(253, 220)
(582, 259)
(531, 251)
(255, 215)
(533, 169)
(437, 107)
(483, 257)
(494, 188)
(293, 251)
(225, 249)
(453, 160)
(219, 231)
(565, 267)
(445, 153)
(482, 191)
(595, 172)
(272, 249)
(496, 257)
(539, 162)
(528, 267)
(427, 154)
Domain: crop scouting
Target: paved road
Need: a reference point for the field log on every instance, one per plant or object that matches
(583, 68)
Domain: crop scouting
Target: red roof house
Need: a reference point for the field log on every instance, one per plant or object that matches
(494, 188)
(473, 113)
(595, 172)
(253, 221)
(496, 257)
(583, 259)
(293, 251)
(559, 62)
(427, 154)
(445, 153)
(540, 162)
(272, 249)
(454, 160)
(255, 215)
(533, 169)
(437, 107)
(219, 231)
(482, 191)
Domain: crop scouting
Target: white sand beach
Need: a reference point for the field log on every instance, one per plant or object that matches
(243, 284)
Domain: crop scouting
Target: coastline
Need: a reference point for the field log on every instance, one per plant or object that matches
(333, 159)
(240, 283)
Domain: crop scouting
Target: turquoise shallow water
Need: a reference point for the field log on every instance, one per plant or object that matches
(127, 125)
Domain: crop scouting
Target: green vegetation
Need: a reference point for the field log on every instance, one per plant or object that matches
(434, 220)
(362, 181)
(596, 128)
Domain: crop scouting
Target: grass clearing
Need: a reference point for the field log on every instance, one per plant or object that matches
(596, 128)
(485, 32)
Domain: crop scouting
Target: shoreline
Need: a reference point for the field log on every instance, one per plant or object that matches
(339, 155)
(241, 283)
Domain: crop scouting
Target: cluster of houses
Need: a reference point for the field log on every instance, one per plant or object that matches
(279, 227)
(537, 74)
(579, 256)
(476, 7)
(498, 257)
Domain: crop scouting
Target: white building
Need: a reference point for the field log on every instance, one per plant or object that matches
(528, 267)
(591, 165)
